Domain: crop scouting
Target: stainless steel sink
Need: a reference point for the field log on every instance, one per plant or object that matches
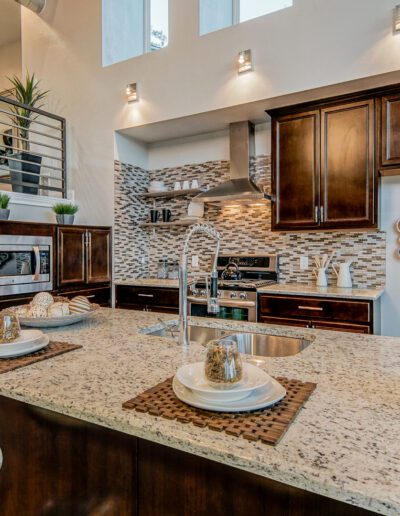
(256, 344)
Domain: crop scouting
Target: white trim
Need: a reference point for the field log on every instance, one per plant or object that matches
(33, 200)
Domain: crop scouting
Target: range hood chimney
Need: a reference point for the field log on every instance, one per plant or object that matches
(36, 6)
(240, 188)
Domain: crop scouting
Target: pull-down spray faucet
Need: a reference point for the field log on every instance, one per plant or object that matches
(212, 303)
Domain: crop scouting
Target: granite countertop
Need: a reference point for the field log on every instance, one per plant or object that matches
(330, 291)
(343, 443)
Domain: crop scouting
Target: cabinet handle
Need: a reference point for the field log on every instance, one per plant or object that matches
(89, 297)
(313, 308)
(316, 213)
(145, 295)
(322, 214)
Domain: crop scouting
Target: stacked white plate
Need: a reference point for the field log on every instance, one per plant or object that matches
(28, 342)
(255, 390)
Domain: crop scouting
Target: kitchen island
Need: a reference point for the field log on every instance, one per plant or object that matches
(340, 455)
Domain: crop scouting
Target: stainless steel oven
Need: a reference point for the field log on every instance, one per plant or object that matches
(241, 308)
(26, 264)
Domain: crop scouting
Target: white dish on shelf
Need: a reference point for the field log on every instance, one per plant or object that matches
(54, 322)
(25, 348)
(258, 399)
(193, 377)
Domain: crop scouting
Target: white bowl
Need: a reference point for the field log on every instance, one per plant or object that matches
(25, 337)
(193, 377)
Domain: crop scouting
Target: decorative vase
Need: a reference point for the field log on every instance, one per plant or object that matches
(4, 213)
(65, 219)
(17, 168)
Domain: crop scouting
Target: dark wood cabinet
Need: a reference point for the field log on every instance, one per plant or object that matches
(390, 134)
(71, 256)
(83, 256)
(347, 165)
(323, 166)
(98, 255)
(82, 260)
(295, 161)
(317, 312)
(149, 299)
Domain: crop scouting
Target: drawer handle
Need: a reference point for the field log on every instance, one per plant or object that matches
(314, 308)
(89, 297)
(145, 295)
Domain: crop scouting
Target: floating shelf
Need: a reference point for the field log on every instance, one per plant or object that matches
(168, 224)
(172, 193)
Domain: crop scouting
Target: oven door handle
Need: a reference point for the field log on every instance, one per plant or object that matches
(36, 251)
(239, 303)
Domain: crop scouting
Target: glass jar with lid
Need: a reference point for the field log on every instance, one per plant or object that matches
(162, 270)
(223, 365)
(173, 270)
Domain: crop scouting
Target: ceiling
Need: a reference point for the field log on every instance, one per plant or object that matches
(10, 22)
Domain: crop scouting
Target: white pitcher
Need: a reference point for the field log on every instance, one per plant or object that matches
(344, 276)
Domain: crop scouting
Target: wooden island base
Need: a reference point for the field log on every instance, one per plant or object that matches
(55, 465)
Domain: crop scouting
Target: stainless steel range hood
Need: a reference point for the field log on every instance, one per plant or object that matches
(240, 189)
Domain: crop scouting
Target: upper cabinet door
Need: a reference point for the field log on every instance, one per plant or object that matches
(348, 178)
(390, 132)
(98, 256)
(295, 170)
(71, 256)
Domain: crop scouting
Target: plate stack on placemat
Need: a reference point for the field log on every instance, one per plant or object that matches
(28, 341)
(264, 412)
(42, 352)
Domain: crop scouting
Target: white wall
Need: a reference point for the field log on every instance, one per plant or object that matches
(10, 63)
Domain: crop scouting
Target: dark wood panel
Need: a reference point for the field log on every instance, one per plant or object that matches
(100, 295)
(390, 131)
(148, 308)
(295, 170)
(58, 466)
(146, 296)
(55, 465)
(316, 308)
(337, 326)
(174, 483)
(71, 255)
(9, 227)
(286, 321)
(99, 256)
(347, 165)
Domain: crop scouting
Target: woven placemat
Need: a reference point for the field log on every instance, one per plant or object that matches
(52, 350)
(266, 425)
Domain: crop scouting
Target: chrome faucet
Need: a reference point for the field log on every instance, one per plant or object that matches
(212, 298)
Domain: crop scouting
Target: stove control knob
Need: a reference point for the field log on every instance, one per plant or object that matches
(203, 293)
(243, 295)
(233, 295)
(219, 293)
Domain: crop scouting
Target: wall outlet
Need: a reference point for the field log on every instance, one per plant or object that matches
(195, 260)
(303, 263)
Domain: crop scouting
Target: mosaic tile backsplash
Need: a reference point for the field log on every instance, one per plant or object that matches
(244, 230)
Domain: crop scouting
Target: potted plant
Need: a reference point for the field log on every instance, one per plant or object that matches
(65, 212)
(4, 211)
(29, 94)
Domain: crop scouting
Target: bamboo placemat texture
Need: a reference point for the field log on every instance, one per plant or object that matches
(52, 350)
(266, 425)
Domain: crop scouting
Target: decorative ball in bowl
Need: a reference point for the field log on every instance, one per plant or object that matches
(46, 311)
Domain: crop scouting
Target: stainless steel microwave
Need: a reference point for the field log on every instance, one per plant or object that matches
(26, 264)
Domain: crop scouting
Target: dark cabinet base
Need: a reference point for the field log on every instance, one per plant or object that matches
(57, 465)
